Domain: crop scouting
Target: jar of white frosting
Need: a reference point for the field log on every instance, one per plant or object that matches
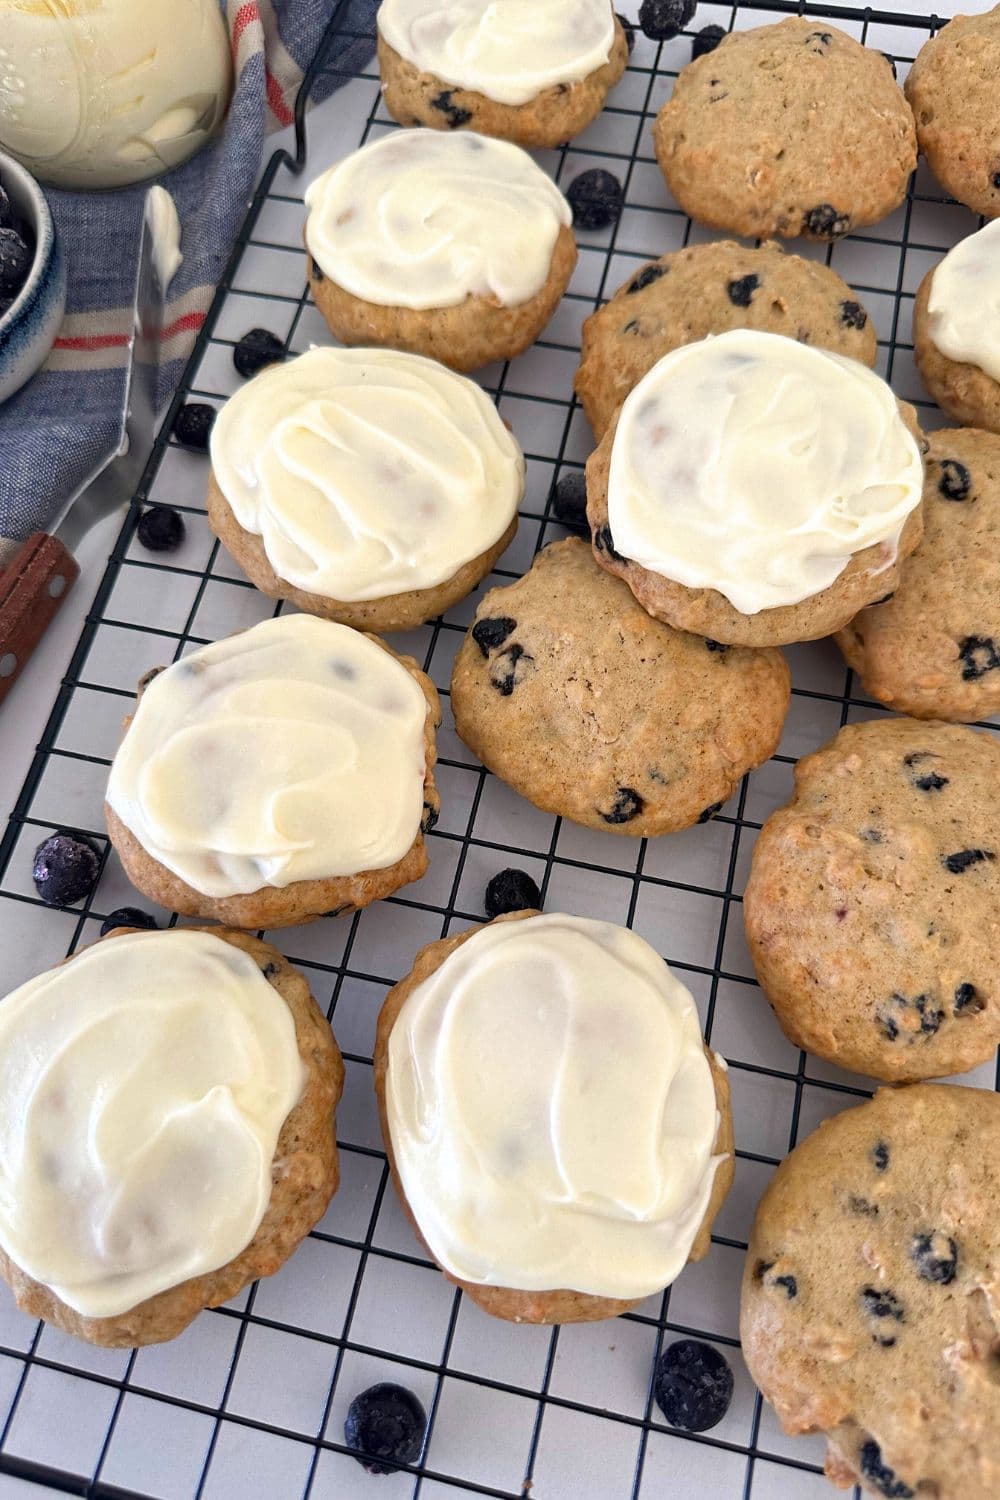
(100, 93)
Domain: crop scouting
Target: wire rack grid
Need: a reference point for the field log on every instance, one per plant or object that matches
(249, 1403)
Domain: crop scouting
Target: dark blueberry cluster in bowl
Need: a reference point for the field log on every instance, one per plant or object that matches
(17, 251)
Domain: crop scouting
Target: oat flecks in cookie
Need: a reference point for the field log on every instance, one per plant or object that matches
(952, 90)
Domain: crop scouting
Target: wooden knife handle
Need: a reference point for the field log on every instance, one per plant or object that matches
(32, 589)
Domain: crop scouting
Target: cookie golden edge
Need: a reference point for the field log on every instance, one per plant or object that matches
(302, 901)
(553, 117)
(305, 1176)
(964, 391)
(560, 1305)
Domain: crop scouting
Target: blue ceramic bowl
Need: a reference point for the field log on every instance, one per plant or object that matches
(30, 324)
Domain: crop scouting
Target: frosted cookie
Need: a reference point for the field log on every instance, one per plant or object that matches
(454, 246)
(576, 697)
(367, 486)
(956, 330)
(952, 87)
(703, 289)
(166, 1130)
(277, 775)
(532, 71)
(558, 1131)
(869, 1295)
(871, 907)
(787, 129)
(757, 491)
(933, 649)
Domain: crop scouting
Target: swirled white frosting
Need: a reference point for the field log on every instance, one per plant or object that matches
(425, 219)
(964, 303)
(552, 1110)
(755, 465)
(366, 472)
(143, 1087)
(292, 751)
(509, 50)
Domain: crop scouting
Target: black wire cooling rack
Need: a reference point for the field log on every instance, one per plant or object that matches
(249, 1403)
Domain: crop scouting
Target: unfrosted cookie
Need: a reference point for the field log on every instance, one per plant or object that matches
(703, 289)
(454, 246)
(570, 692)
(368, 486)
(536, 75)
(167, 1120)
(872, 909)
(558, 1131)
(787, 129)
(933, 649)
(869, 1295)
(756, 490)
(277, 775)
(956, 330)
(952, 87)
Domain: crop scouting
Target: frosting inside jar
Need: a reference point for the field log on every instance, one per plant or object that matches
(143, 1087)
(552, 1110)
(964, 303)
(508, 50)
(758, 466)
(366, 472)
(292, 751)
(425, 219)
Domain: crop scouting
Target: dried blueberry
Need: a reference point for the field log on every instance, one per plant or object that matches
(880, 1156)
(935, 1257)
(693, 1385)
(490, 634)
(879, 1474)
(65, 869)
(646, 276)
(955, 482)
(862, 1206)
(511, 890)
(605, 542)
(193, 424)
(742, 289)
(128, 916)
(385, 1426)
(160, 529)
(16, 255)
(964, 859)
(629, 30)
(256, 350)
(709, 813)
(510, 668)
(429, 818)
(885, 1309)
(569, 499)
(707, 39)
(626, 806)
(968, 1000)
(826, 223)
(271, 970)
(932, 782)
(453, 113)
(788, 1283)
(995, 180)
(853, 315)
(818, 41)
(596, 198)
(716, 646)
(663, 19)
(978, 655)
(929, 1018)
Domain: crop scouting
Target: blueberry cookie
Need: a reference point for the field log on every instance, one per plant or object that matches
(757, 490)
(276, 776)
(788, 129)
(570, 1189)
(952, 87)
(956, 330)
(567, 689)
(933, 649)
(535, 75)
(869, 1294)
(703, 289)
(166, 1130)
(454, 246)
(871, 907)
(366, 486)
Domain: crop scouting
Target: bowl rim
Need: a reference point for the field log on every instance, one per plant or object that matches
(40, 217)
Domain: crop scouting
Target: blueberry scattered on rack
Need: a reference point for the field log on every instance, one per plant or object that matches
(193, 424)
(256, 350)
(511, 890)
(596, 198)
(629, 30)
(385, 1426)
(65, 869)
(160, 529)
(663, 19)
(693, 1385)
(569, 499)
(128, 916)
(707, 39)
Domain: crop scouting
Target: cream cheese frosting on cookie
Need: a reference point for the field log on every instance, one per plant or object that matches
(292, 751)
(366, 472)
(508, 50)
(755, 465)
(964, 303)
(143, 1087)
(424, 219)
(552, 1110)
